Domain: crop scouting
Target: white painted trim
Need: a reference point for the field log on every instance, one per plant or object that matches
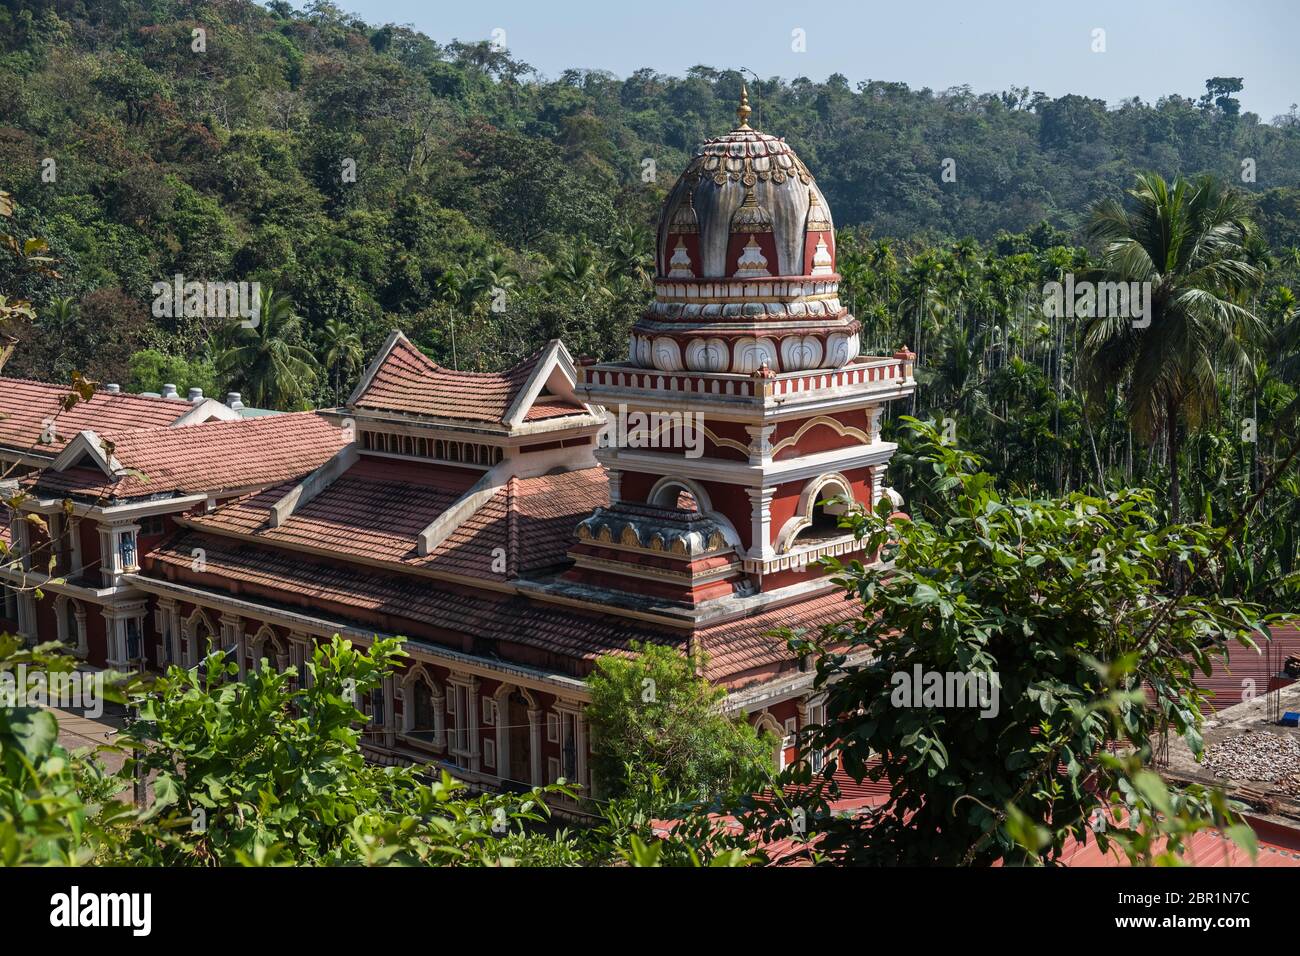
(479, 494)
(88, 443)
(315, 483)
(555, 358)
(373, 369)
(206, 411)
(745, 473)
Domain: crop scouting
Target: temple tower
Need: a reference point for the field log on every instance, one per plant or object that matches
(744, 403)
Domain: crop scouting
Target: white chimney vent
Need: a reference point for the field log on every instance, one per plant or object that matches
(113, 389)
(196, 395)
(169, 391)
(234, 400)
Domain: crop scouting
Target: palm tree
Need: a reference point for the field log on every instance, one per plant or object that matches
(918, 299)
(629, 253)
(60, 318)
(265, 361)
(1188, 241)
(458, 288)
(343, 352)
(576, 273)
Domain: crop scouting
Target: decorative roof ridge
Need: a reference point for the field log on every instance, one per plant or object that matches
(175, 432)
(463, 508)
(512, 528)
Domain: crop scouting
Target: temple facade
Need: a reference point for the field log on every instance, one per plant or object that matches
(512, 526)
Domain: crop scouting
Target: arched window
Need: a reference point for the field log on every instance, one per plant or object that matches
(678, 495)
(423, 719)
(817, 517)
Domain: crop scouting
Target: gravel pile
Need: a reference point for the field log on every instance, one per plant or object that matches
(1291, 785)
(1263, 756)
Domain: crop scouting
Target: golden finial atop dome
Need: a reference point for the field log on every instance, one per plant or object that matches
(743, 110)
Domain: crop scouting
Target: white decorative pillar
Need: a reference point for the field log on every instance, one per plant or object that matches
(54, 528)
(440, 742)
(389, 686)
(20, 541)
(300, 648)
(79, 614)
(471, 705)
(501, 704)
(760, 443)
(580, 743)
(615, 485)
(166, 615)
(760, 516)
(232, 635)
(27, 617)
(74, 546)
(874, 414)
(535, 722)
(115, 638)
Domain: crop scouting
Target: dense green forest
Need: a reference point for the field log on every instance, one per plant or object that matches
(137, 156)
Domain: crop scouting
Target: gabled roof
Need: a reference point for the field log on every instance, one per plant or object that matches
(206, 458)
(404, 379)
(376, 510)
(28, 408)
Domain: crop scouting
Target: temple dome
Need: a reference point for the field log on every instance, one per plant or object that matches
(739, 187)
(745, 266)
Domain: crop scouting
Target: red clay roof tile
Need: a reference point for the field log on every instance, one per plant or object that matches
(409, 381)
(27, 407)
(210, 457)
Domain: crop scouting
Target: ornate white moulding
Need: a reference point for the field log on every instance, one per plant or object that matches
(799, 559)
(779, 288)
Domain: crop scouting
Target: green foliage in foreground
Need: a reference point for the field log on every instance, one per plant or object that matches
(653, 710)
(261, 772)
(48, 813)
(1065, 604)
(253, 772)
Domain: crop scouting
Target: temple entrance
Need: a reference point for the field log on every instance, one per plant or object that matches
(520, 733)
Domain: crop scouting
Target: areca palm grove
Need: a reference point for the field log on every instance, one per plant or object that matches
(1058, 403)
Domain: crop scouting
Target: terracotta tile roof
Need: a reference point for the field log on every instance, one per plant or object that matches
(488, 618)
(543, 410)
(739, 645)
(376, 510)
(210, 457)
(532, 518)
(27, 406)
(409, 381)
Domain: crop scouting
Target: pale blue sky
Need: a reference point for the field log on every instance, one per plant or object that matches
(1154, 47)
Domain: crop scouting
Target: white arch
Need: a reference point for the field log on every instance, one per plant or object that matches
(765, 721)
(415, 674)
(503, 733)
(264, 634)
(658, 497)
(77, 634)
(808, 498)
(659, 493)
(199, 617)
